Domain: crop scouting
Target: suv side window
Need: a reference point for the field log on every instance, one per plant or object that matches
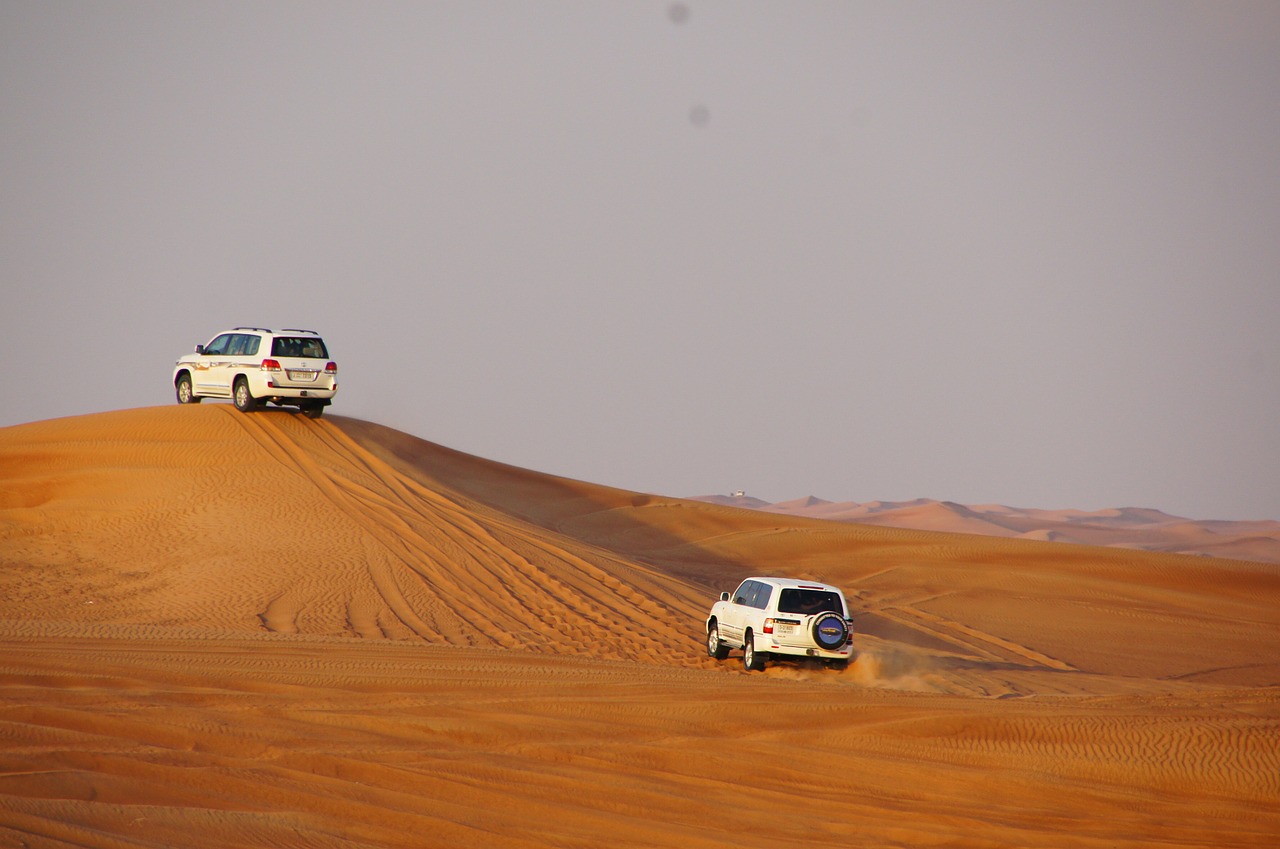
(242, 345)
(219, 346)
(753, 594)
(763, 591)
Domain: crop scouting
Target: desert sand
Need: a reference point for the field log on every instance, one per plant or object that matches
(228, 630)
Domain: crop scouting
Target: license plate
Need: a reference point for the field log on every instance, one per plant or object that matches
(302, 376)
(787, 629)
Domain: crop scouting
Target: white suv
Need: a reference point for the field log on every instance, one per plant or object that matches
(254, 365)
(781, 617)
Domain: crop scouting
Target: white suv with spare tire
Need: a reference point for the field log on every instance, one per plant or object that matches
(781, 617)
(254, 365)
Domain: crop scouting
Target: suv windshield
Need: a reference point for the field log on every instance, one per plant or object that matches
(809, 601)
(299, 346)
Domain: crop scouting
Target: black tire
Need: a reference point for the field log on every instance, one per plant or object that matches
(752, 660)
(830, 631)
(243, 398)
(715, 648)
(186, 395)
(313, 411)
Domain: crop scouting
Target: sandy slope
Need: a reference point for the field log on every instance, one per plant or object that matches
(229, 630)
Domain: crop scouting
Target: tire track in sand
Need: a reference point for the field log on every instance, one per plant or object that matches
(401, 545)
(606, 594)
(466, 574)
(984, 645)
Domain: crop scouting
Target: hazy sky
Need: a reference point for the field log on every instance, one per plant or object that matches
(1025, 253)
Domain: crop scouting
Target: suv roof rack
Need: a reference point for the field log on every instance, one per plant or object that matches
(260, 329)
(298, 330)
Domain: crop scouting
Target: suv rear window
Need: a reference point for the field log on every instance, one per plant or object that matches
(809, 601)
(299, 346)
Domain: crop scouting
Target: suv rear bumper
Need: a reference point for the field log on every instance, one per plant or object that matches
(261, 389)
(845, 652)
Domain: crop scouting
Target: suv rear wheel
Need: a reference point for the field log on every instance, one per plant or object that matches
(752, 660)
(244, 400)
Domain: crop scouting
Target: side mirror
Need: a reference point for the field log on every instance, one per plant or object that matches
(724, 596)
(199, 349)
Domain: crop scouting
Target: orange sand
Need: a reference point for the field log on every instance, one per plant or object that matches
(231, 630)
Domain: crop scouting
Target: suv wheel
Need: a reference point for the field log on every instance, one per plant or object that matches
(752, 660)
(715, 648)
(830, 631)
(244, 400)
(185, 394)
(313, 411)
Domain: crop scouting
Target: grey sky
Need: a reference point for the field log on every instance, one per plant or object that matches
(990, 252)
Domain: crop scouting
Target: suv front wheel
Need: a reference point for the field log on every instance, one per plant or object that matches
(715, 648)
(185, 394)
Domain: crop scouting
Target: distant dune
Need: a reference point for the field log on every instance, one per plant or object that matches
(230, 630)
(1128, 527)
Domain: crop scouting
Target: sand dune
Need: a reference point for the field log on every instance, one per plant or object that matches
(1127, 527)
(261, 630)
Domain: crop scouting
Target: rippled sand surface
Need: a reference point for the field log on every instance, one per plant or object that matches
(231, 630)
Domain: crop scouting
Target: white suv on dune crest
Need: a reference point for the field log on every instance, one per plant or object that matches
(254, 365)
(781, 617)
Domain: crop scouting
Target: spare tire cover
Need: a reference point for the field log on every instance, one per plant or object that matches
(830, 630)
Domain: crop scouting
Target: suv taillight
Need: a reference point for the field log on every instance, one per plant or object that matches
(271, 365)
(330, 368)
(768, 625)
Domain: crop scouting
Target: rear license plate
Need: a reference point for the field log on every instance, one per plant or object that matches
(788, 630)
(302, 375)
